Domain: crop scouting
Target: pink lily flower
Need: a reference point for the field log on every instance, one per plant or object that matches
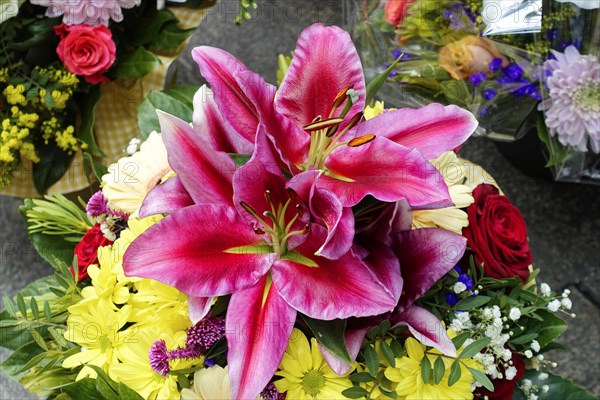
(248, 233)
(315, 122)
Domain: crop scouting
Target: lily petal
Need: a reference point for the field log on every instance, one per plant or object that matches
(209, 121)
(426, 328)
(198, 307)
(433, 129)
(167, 197)
(425, 255)
(289, 140)
(315, 78)
(328, 289)
(219, 68)
(204, 172)
(338, 220)
(385, 265)
(259, 324)
(193, 250)
(386, 170)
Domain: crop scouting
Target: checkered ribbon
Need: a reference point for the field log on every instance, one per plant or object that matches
(116, 119)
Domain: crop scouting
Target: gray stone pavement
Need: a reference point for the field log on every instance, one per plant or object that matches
(563, 219)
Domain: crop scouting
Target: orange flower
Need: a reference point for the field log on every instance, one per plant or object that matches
(395, 10)
(467, 56)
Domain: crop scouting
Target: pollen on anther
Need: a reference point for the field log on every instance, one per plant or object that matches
(359, 141)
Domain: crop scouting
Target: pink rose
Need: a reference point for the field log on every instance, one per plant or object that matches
(87, 51)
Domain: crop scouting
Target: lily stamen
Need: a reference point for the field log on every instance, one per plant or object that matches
(359, 141)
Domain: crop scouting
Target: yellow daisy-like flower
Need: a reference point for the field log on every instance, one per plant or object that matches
(209, 384)
(135, 227)
(135, 370)
(104, 280)
(450, 218)
(372, 112)
(95, 327)
(410, 385)
(305, 373)
(157, 303)
(131, 178)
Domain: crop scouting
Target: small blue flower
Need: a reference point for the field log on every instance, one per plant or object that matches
(464, 278)
(489, 93)
(451, 298)
(484, 111)
(209, 362)
(495, 64)
(477, 78)
(514, 71)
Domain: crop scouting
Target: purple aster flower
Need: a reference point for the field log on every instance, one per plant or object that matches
(477, 78)
(495, 64)
(90, 12)
(270, 392)
(97, 205)
(573, 109)
(484, 111)
(159, 358)
(489, 93)
(209, 362)
(206, 333)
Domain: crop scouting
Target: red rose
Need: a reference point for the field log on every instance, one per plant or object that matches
(395, 10)
(87, 250)
(497, 234)
(503, 388)
(85, 50)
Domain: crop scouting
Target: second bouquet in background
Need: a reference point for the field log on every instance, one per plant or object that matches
(508, 66)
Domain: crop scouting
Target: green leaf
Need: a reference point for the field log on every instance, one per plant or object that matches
(148, 28)
(426, 369)
(438, 370)
(474, 348)
(13, 365)
(88, 116)
(240, 159)
(397, 348)
(21, 305)
(147, 117)
(551, 327)
(388, 393)
(361, 377)
(53, 164)
(460, 339)
(183, 93)
(388, 353)
(216, 349)
(374, 86)
(355, 392)
(558, 388)
(170, 36)
(482, 378)
(9, 306)
(455, 373)
(38, 339)
(136, 64)
(83, 389)
(331, 335)
(371, 360)
(34, 308)
(472, 302)
(557, 153)
(526, 338)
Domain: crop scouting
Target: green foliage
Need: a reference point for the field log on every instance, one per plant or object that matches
(136, 64)
(54, 163)
(163, 101)
(558, 388)
(557, 152)
(377, 82)
(331, 335)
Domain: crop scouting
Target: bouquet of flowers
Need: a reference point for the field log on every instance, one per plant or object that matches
(497, 60)
(72, 75)
(290, 242)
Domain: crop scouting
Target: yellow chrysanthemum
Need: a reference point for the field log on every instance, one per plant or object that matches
(131, 178)
(450, 218)
(135, 227)
(305, 373)
(157, 303)
(95, 327)
(104, 280)
(134, 369)
(410, 385)
(372, 112)
(209, 384)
